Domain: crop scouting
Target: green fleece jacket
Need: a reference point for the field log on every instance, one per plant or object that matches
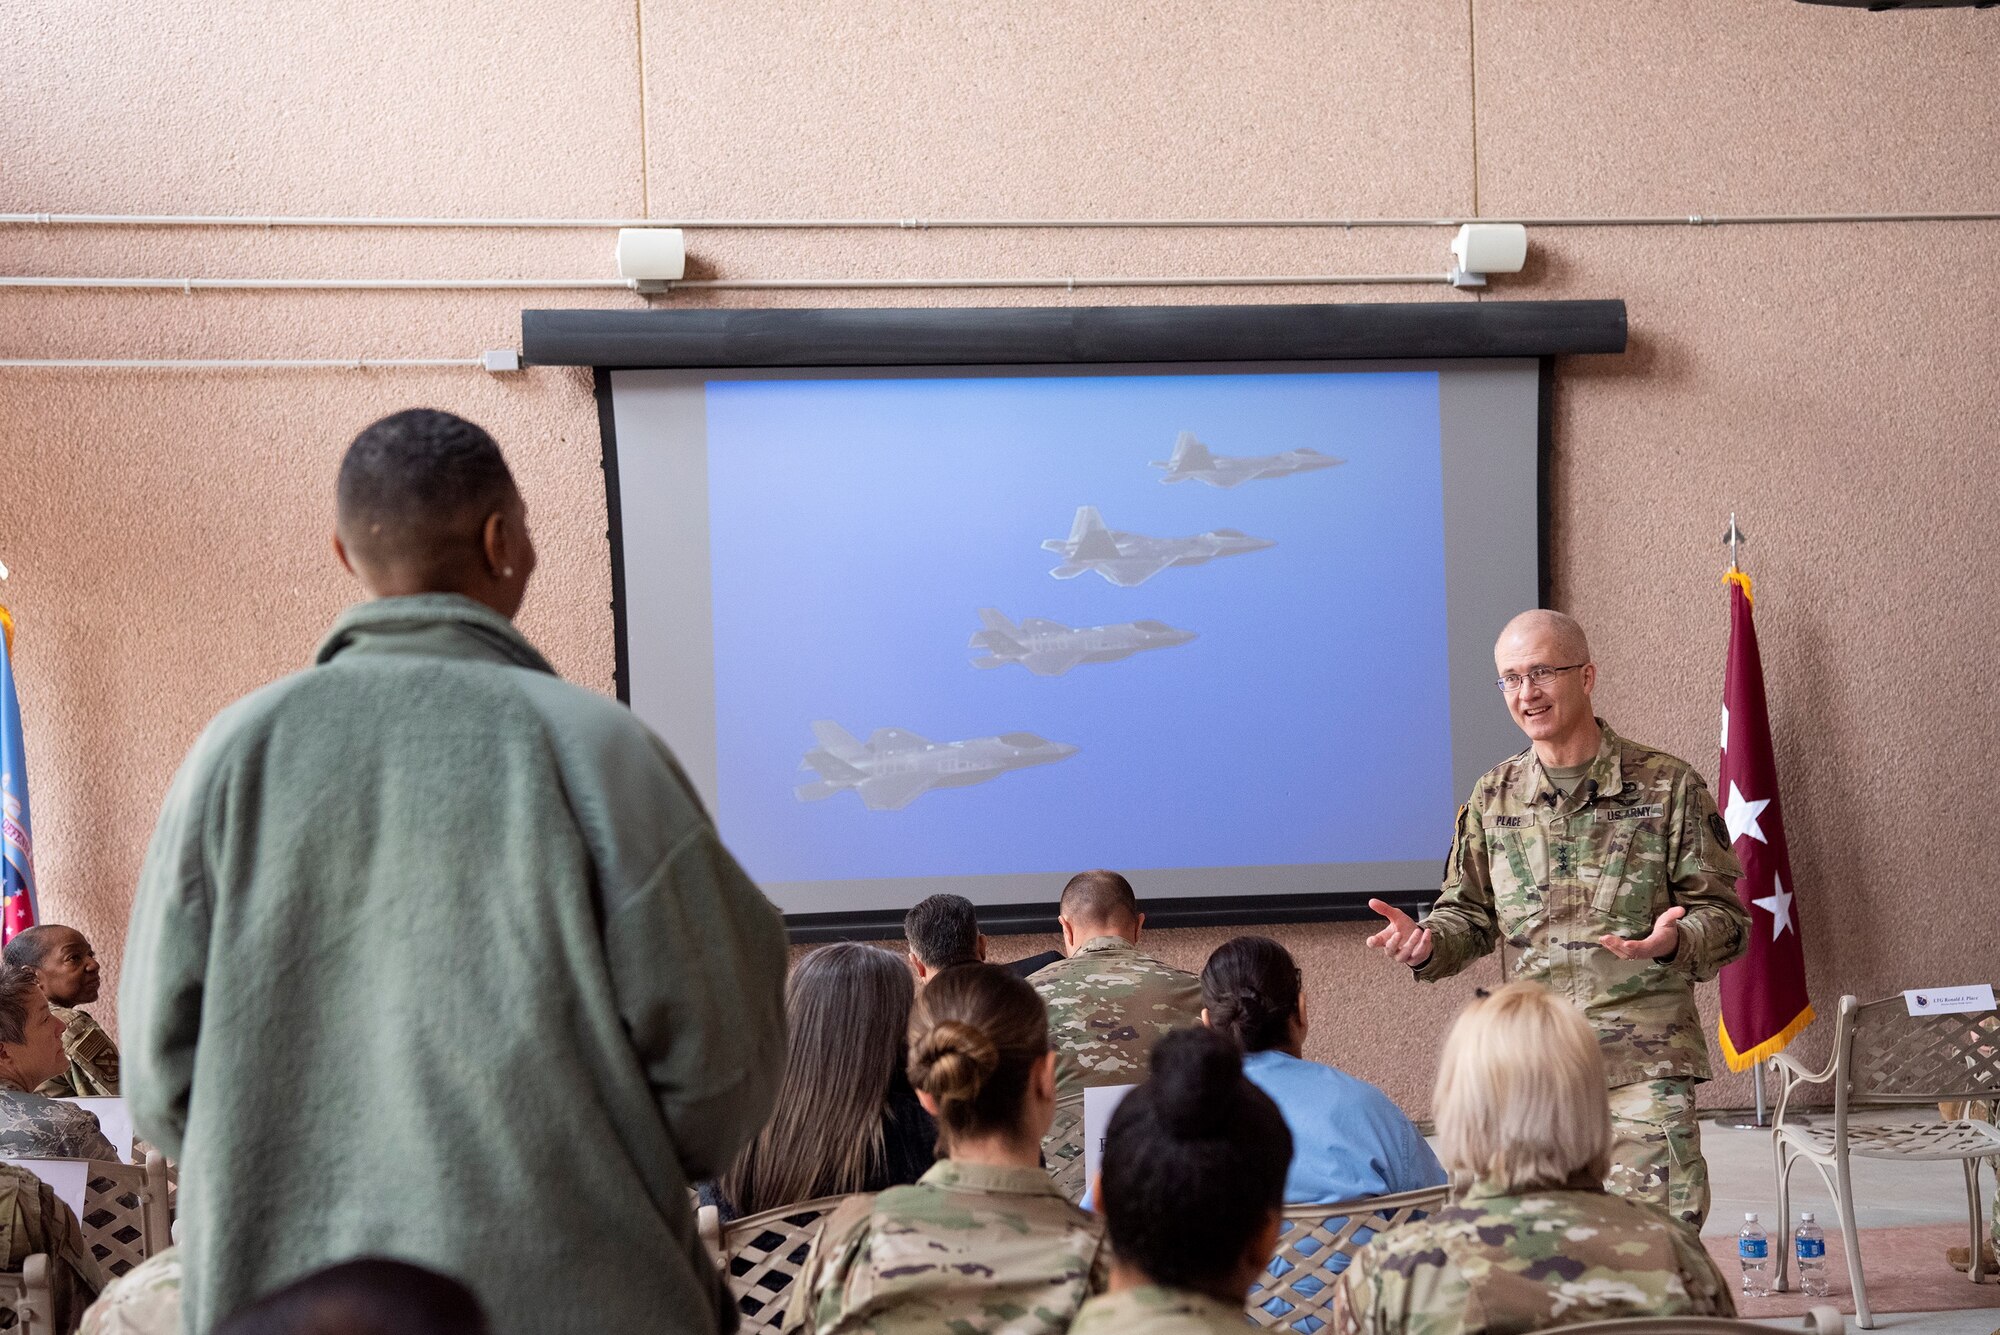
(438, 957)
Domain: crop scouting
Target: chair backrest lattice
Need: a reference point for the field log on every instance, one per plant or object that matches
(1892, 1056)
(124, 1213)
(1315, 1243)
(764, 1254)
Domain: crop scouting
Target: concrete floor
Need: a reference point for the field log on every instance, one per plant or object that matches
(1886, 1195)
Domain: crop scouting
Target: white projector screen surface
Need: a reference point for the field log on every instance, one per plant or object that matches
(1227, 628)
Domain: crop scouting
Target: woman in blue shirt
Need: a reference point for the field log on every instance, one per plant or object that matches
(1348, 1138)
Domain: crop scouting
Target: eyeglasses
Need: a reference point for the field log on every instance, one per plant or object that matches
(1541, 676)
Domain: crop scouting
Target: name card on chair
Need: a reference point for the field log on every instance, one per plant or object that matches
(1949, 1000)
(1098, 1105)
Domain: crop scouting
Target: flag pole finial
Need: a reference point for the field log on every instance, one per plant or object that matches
(1735, 538)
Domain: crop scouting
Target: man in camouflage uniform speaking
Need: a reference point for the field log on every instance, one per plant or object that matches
(1108, 1003)
(1606, 869)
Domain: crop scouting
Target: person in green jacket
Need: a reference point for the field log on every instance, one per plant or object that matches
(437, 957)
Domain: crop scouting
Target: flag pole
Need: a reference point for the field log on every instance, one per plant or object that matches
(1735, 539)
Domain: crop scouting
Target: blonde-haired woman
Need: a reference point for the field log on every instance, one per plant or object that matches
(984, 1243)
(1533, 1240)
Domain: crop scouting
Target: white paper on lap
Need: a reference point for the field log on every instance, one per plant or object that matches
(1098, 1105)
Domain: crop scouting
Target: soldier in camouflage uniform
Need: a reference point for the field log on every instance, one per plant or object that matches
(145, 1300)
(32, 1221)
(1496, 1263)
(1611, 879)
(1152, 1310)
(983, 1243)
(34, 1126)
(1108, 1003)
(66, 967)
(970, 1247)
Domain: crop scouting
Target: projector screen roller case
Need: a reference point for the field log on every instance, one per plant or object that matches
(1224, 627)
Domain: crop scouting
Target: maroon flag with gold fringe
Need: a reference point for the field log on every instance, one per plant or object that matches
(1764, 1001)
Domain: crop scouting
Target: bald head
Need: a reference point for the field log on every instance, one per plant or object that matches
(1561, 633)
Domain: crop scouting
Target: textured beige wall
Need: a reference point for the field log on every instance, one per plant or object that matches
(1832, 384)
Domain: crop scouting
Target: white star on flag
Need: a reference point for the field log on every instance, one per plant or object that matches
(1725, 727)
(1779, 906)
(1741, 816)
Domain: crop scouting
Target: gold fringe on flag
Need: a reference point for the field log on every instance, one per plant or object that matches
(1738, 577)
(7, 628)
(1770, 1047)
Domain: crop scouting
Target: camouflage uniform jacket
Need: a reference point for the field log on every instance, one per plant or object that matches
(971, 1249)
(93, 1059)
(1637, 836)
(33, 1220)
(145, 1300)
(1151, 1310)
(1496, 1264)
(34, 1126)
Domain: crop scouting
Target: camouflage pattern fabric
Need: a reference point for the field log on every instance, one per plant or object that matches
(1108, 1004)
(146, 1300)
(1656, 1149)
(1551, 874)
(1498, 1264)
(34, 1126)
(93, 1059)
(971, 1249)
(1151, 1310)
(33, 1220)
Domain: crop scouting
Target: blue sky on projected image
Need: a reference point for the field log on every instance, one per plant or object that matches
(858, 527)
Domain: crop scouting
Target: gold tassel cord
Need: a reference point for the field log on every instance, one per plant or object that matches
(1735, 576)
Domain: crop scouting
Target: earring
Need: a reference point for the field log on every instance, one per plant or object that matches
(507, 571)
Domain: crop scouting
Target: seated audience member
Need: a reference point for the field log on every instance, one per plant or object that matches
(984, 1242)
(35, 1126)
(66, 967)
(33, 1220)
(1348, 1138)
(145, 1300)
(1192, 1187)
(846, 1119)
(371, 1296)
(1107, 1003)
(944, 930)
(1534, 1241)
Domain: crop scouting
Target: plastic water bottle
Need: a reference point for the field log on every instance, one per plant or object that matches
(1809, 1250)
(1753, 1249)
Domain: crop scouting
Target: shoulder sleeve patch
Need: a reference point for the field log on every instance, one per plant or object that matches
(1717, 828)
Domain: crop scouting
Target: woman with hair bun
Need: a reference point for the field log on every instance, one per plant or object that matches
(1349, 1138)
(983, 1243)
(1193, 1186)
(1533, 1240)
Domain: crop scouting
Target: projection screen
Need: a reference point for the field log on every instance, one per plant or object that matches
(1225, 626)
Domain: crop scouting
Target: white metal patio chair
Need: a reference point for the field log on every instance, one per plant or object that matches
(762, 1255)
(1819, 1321)
(1883, 1054)
(1310, 1255)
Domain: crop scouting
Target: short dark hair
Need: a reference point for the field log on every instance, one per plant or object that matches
(417, 483)
(17, 988)
(370, 1296)
(1099, 896)
(1250, 987)
(943, 930)
(1194, 1164)
(31, 946)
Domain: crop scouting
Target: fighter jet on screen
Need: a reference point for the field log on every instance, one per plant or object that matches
(894, 768)
(1049, 648)
(1130, 559)
(1192, 460)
